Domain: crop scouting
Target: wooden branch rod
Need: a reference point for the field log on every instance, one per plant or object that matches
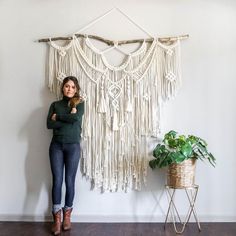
(112, 42)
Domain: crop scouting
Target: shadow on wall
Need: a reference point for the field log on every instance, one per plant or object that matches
(155, 190)
(37, 166)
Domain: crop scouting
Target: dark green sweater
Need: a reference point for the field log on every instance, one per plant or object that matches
(67, 127)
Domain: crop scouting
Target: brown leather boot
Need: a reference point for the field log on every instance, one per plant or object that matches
(56, 226)
(66, 219)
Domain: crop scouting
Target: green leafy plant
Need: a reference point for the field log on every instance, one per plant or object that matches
(176, 148)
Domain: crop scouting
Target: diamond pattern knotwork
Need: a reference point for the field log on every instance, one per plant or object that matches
(169, 52)
(62, 53)
(114, 91)
(60, 76)
(170, 76)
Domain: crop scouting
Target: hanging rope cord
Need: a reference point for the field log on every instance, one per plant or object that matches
(111, 42)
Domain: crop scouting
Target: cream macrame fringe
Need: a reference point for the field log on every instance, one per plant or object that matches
(122, 106)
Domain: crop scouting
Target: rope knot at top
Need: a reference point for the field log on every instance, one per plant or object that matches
(116, 44)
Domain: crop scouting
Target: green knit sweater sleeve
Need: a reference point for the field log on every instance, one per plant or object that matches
(51, 124)
(71, 118)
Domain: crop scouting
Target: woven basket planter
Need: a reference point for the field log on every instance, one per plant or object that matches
(182, 175)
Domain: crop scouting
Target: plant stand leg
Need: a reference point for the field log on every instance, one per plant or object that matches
(192, 200)
(172, 206)
(191, 193)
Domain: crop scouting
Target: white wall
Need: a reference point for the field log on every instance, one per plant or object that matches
(205, 105)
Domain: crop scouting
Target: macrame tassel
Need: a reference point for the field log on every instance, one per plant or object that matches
(102, 104)
(128, 106)
(115, 121)
(171, 89)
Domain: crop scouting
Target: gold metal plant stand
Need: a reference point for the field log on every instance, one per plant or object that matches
(191, 193)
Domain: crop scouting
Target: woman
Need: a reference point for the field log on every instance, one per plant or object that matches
(65, 118)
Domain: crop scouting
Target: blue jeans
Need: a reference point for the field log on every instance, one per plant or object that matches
(64, 155)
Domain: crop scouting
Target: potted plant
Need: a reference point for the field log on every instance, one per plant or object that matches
(179, 153)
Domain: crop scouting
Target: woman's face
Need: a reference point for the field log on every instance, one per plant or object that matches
(69, 89)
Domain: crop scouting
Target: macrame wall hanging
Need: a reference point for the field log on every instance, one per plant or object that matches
(122, 103)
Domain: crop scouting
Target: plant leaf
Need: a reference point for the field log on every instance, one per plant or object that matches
(154, 163)
(171, 133)
(177, 157)
(159, 149)
(186, 150)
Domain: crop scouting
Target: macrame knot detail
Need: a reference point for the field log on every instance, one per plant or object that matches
(170, 76)
(114, 91)
(115, 43)
(83, 96)
(169, 52)
(62, 53)
(146, 97)
(60, 76)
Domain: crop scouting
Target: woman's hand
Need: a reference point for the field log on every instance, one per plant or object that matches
(54, 116)
(73, 110)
